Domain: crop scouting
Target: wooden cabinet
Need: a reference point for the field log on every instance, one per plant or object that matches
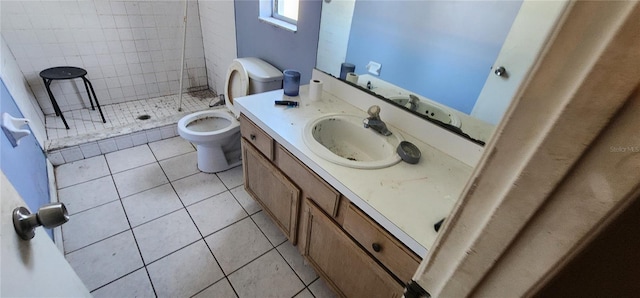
(311, 185)
(268, 186)
(356, 256)
(342, 263)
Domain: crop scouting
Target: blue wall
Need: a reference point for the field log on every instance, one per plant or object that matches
(25, 165)
(450, 45)
(281, 48)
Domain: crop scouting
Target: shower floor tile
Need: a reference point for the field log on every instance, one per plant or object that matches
(200, 234)
(85, 125)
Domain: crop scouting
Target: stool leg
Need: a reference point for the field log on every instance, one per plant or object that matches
(51, 98)
(88, 94)
(56, 108)
(95, 97)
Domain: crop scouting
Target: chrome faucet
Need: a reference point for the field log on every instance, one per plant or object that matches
(413, 102)
(374, 122)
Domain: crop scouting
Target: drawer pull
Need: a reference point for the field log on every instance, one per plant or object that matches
(376, 247)
(253, 137)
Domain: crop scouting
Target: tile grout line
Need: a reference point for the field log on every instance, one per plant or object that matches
(119, 278)
(294, 271)
(131, 229)
(135, 240)
(116, 187)
(106, 238)
(197, 229)
(226, 276)
(60, 188)
(96, 206)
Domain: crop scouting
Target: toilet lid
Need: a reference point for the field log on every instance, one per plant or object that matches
(237, 85)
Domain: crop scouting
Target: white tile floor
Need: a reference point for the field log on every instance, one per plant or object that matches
(146, 223)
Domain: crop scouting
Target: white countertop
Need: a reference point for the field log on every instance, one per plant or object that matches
(405, 199)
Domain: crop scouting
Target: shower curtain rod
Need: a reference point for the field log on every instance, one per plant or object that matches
(184, 44)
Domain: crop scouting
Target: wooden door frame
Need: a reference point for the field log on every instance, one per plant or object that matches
(555, 171)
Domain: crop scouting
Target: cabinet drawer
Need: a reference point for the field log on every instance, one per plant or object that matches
(315, 188)
(256, 136)
(382, 245)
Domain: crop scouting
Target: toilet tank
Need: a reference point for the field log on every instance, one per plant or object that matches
(263, 76)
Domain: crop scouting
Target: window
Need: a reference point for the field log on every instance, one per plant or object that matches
(285, 10)
(280, 13)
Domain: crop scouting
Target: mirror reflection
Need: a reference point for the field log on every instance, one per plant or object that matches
(436, 59)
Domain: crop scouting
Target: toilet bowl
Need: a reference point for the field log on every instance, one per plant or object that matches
(216, 133)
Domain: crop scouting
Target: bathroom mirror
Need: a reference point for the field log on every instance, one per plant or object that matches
(438, 59)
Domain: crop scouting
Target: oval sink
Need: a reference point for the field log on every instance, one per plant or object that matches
(343, 140)
(430, 110)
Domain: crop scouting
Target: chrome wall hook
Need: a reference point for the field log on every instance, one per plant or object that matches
(48, 216)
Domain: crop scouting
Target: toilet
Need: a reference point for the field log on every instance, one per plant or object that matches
(216, 133)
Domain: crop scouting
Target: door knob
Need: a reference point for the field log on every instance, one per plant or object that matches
(501, 71)
(48, 216)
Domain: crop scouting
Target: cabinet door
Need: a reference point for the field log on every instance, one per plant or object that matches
(348, 269)
(266, 184)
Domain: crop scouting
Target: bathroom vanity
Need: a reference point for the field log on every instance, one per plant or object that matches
(363, 230)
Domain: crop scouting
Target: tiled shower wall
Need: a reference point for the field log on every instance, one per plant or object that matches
(130, 49)
(219, 35)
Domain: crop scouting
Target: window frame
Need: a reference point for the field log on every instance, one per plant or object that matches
(277, 16)
(266, 15)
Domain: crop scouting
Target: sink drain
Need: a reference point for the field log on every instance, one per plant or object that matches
(144, 117)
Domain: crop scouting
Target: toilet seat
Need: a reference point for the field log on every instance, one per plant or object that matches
(218, 123)
(236, 85)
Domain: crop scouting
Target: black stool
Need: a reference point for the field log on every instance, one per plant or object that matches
(68, 73)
